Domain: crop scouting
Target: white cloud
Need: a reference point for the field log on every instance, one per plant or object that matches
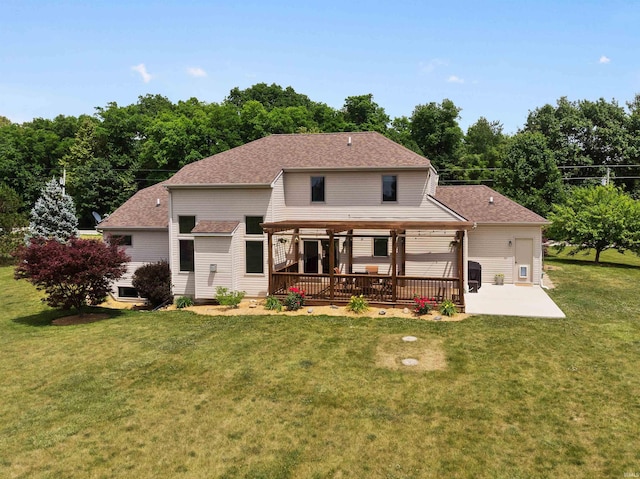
(196, 72)
(431, 65)
(455, 79)
(143, 72)
(604, 59)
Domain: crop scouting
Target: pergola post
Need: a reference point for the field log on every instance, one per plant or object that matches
(394, 266)
(460, 237)
(402, 251)
(332, 265)
(296, 248)
(350, 249)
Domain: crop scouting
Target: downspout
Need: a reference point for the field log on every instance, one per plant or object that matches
(171, 241)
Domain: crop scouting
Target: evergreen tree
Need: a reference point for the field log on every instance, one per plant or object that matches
(54, 215)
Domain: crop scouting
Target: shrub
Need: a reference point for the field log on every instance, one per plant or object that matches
(273, 304)
(229, 298)
(295, 299)
(448, 308)
(423, 305)
(153, 282)
(71, 274)
(358, 304)
(184, 302)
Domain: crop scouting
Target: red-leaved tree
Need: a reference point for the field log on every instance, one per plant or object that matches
(73, 274)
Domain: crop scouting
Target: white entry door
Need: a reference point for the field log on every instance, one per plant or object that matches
(524, 260)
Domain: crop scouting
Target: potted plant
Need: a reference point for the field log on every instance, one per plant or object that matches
(500, 279)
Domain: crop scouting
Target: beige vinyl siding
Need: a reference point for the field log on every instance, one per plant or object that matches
(489, 246)
(277, 204)
(254, 284)
(432, 182)
(213, 250)
(225, 205)
(358, 195)
(431, 256)
(363, 253)
(146, 247)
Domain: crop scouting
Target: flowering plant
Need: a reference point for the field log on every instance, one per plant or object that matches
(423, 305)
(294, 299)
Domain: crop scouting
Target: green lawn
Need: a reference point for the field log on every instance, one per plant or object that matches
(172, 394)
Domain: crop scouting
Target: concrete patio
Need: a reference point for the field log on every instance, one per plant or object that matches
(512, 300)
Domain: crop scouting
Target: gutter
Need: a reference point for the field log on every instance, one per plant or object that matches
(217, 186)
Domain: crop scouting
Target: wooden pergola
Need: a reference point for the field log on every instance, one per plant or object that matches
(391, 289)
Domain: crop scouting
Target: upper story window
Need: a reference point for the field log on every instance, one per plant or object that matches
(317, 189)
(389, 188)
(186, 224)
(252, 225)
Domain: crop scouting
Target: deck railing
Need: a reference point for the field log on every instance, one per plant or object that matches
(338, 288)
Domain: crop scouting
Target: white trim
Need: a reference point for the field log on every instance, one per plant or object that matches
(355, 168)
(505, 223)
(218, 186)
(278, 176)
(134, 228)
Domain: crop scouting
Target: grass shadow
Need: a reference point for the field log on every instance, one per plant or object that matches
(46, 318)
(589, 262)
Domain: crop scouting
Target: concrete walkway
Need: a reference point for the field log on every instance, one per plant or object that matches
(511, 300)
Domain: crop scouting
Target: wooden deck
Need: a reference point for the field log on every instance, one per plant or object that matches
(378, 289)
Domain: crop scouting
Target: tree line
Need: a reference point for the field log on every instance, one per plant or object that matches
(111, 154)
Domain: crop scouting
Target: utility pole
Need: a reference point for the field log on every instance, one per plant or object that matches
(63, 180)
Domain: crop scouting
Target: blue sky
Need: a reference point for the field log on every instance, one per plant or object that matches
(497, 59)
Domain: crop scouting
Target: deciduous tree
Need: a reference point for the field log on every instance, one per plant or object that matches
(529, 173)
(435, 129)
(11, 218)
(71, 274)
(484, 148)
(598, 218)
(363, 114)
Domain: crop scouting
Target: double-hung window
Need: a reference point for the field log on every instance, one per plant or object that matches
(317, 189)
(254, 248)
(389, 188)
(187, 256)
(187, 250)
(380, 246)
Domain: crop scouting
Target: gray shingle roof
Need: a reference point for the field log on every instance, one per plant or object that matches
(141, 210)
(260, 162)
(472, 202)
